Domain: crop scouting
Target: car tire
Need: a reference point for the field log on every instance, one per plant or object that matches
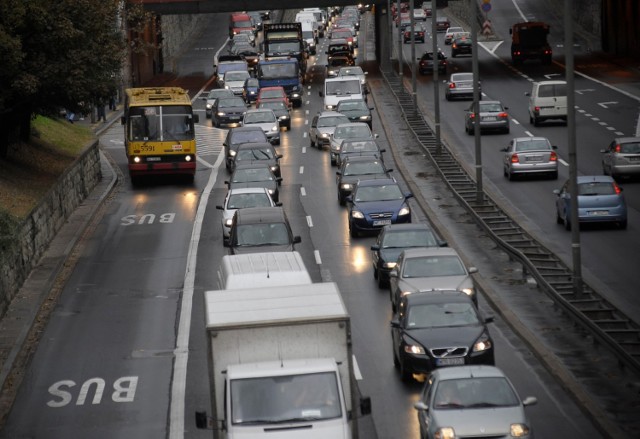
(375, 273)
(447, 97)
(536, 121)
(453, 54)
(510, 176)
(341, 199)
(353, 232)
(405, 376)
(507, 130)
(396, 362)
(381, 282)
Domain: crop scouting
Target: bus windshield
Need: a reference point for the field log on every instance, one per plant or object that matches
(171, 122)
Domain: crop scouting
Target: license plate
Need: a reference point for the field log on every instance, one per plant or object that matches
(534, 158)
(634, 159)
(489, 118)
(153, 159)
(382, 222)
(599, 212)
(450, 361)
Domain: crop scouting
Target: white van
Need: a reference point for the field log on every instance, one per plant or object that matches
(547, 100)
(340, 88)
(253, 270)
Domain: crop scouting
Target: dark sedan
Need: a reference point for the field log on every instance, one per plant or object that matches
(238, 136)
(461, 46)
(356, 169)
(418, 34)
(439, 329)
(375, 204)
(228, 111)
(395, 238)
(255, 175)
(356, 110)
(258, 153)
(425, 63)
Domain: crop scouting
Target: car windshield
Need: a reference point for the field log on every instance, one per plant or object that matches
(453, 30)
(345, 87)
(350, 146)
(490, 107)
(408, 238)
(630, 148)
(462, 77)
(236, 76)
(230, 102)
(438, 315)
(214, 94)
(532, 145)
(596, 188)
(259, 117)
(253, 136)
(351, 71)
(474, 392)
(363, 168)
(352, 132)
(332, 121)
(251, 175)
(352, 105)
(433, 266)
(378, 193)
(255, 154)
(278, 70)
(252, 82)
(263, 234)
(241, 201)
(341, 34)
(274, 105)
(269, 94)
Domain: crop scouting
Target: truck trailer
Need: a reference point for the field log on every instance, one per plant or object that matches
(281, 364)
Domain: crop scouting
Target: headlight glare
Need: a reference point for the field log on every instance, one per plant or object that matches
(404, 211)
(445, 433)
(232, 153)
(414, 349)
(390, 265)
(482, 344)
(357, 214)
(519, 430)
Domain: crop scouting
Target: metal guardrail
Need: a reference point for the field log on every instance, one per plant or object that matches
(602, 319)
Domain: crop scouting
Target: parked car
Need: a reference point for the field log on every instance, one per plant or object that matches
(425, 63)
(323, 125)
(258, 153)
(228, 111)
(493, 116)
(600, 200)
(255, 175)
(472, 401)
(460, 85)
(439, 329)
(239, 135)
(241, 198)
(530, 156)
(461, 45)
(356, 169)
(448, 35)
(357, 148)
(395, 238)
(356, 110)
(261, 229)
(212, 96)
(281, 110)
(622, 157)
(353, 130)
(265, 119)
(430, 269)
(375, 204)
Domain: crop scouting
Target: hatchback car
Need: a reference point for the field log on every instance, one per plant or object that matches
(439, 329)
(425, 63)
(442, 24)
(323, 125)
(255, 175)
(265, 119)
(234, 81)
(395, 238)
(355, 148)
(250, 90)
(273, 93)
(419, 14)
(355, 130)
(241, 198)
(228, 111)
(258, 153)
(419, 32)
(461, 45)
(472, 401)
(279, 107)
(375, 204)
(448, 36)
(600, 200)
(356, 110)
(356, 169)
(261, 229)
(493, 116)
(530, 156)
(212, 96)
(239, 135)
(622, 157)
(460, 85)
(430, 269)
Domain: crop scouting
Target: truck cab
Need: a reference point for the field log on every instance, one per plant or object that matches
(283, 72)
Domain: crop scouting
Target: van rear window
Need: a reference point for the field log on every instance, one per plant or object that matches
(552, 90)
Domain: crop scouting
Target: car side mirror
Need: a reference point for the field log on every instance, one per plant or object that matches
(278, 204)
(383, 150)
(279, 179)
(504, 149)
(375, 136)
(472, 270)
(527, 94)
(442, 243)
(408, 195)
(375, 248)
(489, 319)
(555, 147)
(338, 173)
(421, 406)
(227, 182)
(297, 239)
(395, 323)
(279, 156)
(220, 207)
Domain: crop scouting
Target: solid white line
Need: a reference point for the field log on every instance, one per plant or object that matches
(563, 162)
(303, 191)
(356, 370)
(515, 121)
(316, 254)
(301, 169)
(309, 221)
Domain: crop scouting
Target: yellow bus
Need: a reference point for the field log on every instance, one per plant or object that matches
(159, 132)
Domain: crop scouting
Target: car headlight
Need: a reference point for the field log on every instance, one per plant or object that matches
(209, 106)
(252, 92)
(324, 135)
(232, 153)
(519, 430)
(332, 72)
(220, 113)
(274, 168)
(365, 117)
(445, 433)
(390, 265)
(330, 107)
(414, 349)
(468, 291)
(347, 186)
(482, 344)
(228, 222)
(295, 88)
(271, 191)
(283, 118)
(227, 87)
(274, 128)
(404, 211)
(405, 293)
(357, 214)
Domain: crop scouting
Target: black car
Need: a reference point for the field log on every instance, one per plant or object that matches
(261, 229)
(258, 152)
(356, 147)
(239, 135)
(255, 175)
(395, 238)
(356, 110)
(337, 60)
(461, 46)
(418, 34)
(439, 329)
(425, 63)
(356, 169)
(228, 111)
(375, 204)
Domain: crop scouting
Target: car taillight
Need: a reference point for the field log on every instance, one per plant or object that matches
(472, 115)
(536, 109)
(617, 188)
(553, 157)
(515, 159)
(452, 85)
(617, 149)
(503, 115)
(454, 45)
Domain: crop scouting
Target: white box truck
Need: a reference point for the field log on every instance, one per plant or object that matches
(270, 269)
(280, 364)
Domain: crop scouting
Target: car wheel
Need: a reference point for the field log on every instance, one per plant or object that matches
(311, 142)
(510, 176)
(375, 273)
(381, 282)
(507, 130)
(404, 374)
(447, 97)
(605, 171)
(453, 54)
(289, 126)
(396, 362)
(536, 121)
(341, 200)
(353, 232)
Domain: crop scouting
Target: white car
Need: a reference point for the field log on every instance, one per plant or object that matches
(234, 81)
(419, 14)
(448, 36)
(239, 198)
(266, 119)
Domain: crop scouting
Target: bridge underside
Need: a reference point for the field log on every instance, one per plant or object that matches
(174, 7)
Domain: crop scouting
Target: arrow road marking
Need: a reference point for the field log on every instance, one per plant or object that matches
(606, 104)
(585, 90)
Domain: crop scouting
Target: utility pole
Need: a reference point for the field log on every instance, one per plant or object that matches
(436, 86)
(476, 101)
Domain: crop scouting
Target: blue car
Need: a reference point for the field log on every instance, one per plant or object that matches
(375, 204)
(600, 200)
(250, 90)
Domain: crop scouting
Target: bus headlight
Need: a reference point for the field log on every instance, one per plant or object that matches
(136, 159)
(187, 158)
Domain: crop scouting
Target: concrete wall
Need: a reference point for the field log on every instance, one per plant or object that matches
(176, 31)
(29, 240)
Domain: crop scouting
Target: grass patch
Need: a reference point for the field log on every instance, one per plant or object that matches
(30, 169)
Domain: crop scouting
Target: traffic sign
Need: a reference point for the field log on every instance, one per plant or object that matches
(486, 7)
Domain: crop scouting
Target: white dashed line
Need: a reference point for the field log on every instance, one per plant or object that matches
(303, 192)
(304, 135)
(301, 169)
(304, 149)
(563, 162)
(515, 121)
(316, 253)
(529, 133)
(309, 221)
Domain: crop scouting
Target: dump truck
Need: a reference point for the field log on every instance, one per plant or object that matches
(529, 41)
(281, 364)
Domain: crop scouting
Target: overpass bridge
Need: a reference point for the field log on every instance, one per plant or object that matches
(172, 7)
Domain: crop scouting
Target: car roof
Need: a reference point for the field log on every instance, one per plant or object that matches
(329, 114)
(595, 179)
(437, 296)
(627, 139)
(470, 371)
(256, 145)
(259, 110)
(352, 124)
(363, 158)
(252, 165)
(245, 128)
(430, 251)
(352, 100)
(526, 139)
(250, 215)
(377, 182)
(407, 227)
(248, 190)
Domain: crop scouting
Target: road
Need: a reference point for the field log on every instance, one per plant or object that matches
(124, 352)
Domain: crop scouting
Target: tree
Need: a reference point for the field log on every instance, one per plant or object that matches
(60, 54)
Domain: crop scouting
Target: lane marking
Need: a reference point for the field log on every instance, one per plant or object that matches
(304, 149)
(309, 221)
(303, 192)
(301, 169)
(316, 254)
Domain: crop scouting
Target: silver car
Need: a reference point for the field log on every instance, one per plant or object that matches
(460, 86)
(493, 116)
(622, 157)
(323, 125)
(530, 155)
(240, 198)
(472, 401)
(266, 119)
(354, 130)
(234, 81)
(429, 269)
